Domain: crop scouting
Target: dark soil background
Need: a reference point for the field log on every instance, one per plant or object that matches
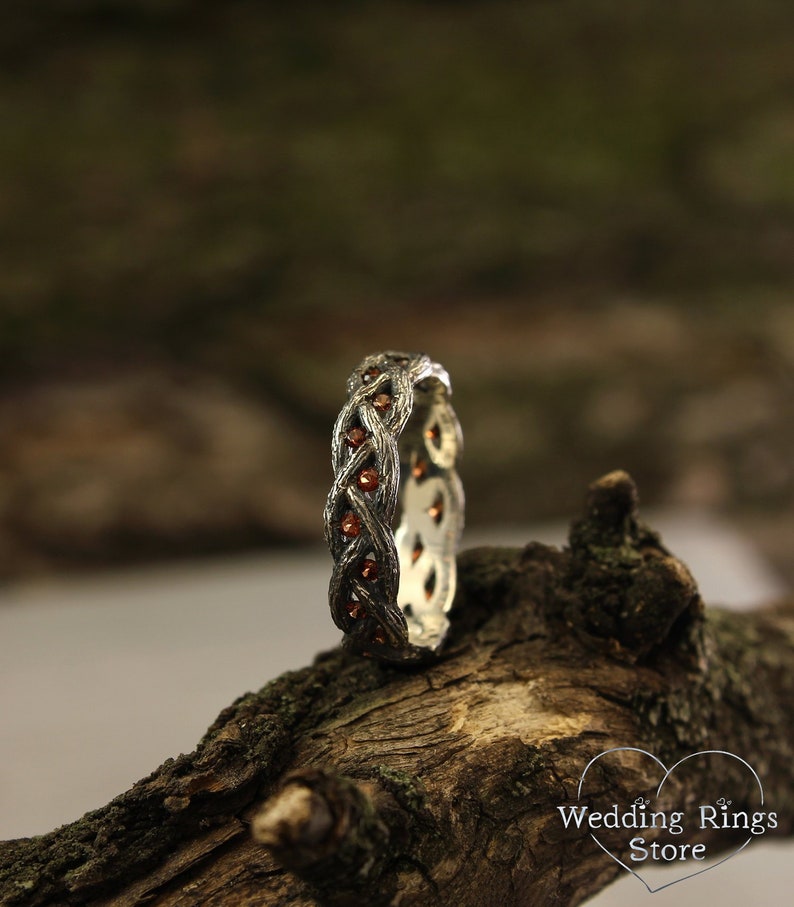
(209, 212)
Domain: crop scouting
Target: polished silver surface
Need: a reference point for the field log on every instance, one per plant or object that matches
(391, 588)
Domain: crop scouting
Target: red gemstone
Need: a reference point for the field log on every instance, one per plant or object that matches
(436, 510)
(433, 433)
(369, 374)
(350, 525)
(382, 402)
(368, 479)
(355, 437)
(356, 610)
(369, 569)
(379, 636)
(419, 470)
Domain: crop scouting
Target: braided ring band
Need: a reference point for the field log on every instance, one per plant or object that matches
(395, 444)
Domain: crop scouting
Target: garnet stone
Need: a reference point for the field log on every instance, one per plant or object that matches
(355, 437)
(350, 525)
(369, 569)
(382, 402)
(356, 610)
(368, 479)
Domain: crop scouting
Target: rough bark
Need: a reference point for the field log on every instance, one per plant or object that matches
(440, 786)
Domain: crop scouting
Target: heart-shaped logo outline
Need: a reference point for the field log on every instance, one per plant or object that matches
(667, 773)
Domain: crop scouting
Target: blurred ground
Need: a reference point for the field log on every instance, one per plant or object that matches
(210, 212)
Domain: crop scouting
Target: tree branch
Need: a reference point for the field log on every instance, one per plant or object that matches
(367, 783)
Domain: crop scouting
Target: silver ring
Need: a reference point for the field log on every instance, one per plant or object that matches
(394, 451)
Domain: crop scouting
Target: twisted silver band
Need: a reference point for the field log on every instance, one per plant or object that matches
(395, 445)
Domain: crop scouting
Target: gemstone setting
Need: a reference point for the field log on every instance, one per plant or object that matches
(356, 610)
(350, 525)
(368, 479)
(355, 437)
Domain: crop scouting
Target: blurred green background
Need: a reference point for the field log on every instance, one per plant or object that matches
(209, 213)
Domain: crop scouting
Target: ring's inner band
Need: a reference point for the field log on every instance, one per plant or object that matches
(431, 514)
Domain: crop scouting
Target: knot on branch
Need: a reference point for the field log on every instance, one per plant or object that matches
(626, 592)
(333, 832)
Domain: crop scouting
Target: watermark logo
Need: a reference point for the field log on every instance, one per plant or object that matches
(647, 833)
